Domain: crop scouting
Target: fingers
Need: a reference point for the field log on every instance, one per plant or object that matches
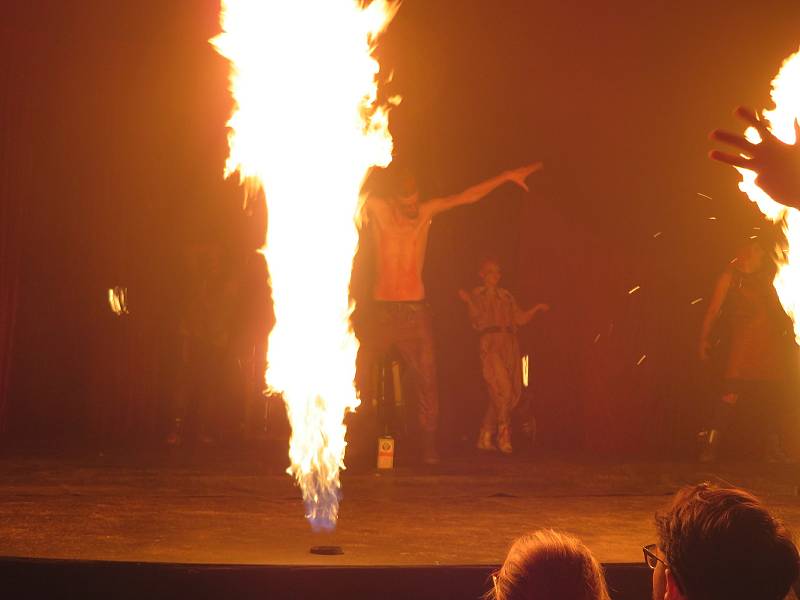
(733, 139)
(526, 170)
(731, 159)
(749, 116)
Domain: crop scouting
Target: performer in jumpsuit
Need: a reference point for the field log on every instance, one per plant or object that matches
(495, 316)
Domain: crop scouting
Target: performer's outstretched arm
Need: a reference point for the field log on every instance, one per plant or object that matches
(776, 164)
(476, 192)
(523, 317)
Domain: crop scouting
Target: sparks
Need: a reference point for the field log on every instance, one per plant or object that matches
(306, 128)
(634, 289)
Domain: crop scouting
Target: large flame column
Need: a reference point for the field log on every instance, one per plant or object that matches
(786, 96)
(306, 129)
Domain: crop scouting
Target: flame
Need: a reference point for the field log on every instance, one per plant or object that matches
(786, 96)
(306, 128)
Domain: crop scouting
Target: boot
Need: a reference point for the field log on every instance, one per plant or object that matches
(720, 423)
(504, 439)
(709, 441)
(529, 429)
(429, 454)
(485, 441)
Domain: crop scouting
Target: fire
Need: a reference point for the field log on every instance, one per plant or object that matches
(306, 128)
(786, 96)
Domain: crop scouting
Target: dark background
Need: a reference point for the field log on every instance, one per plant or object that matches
(112, 145)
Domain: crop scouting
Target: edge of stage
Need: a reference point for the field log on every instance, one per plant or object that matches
(40, 578)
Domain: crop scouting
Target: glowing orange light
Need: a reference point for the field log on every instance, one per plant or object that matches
(786, 96)
(307, 128)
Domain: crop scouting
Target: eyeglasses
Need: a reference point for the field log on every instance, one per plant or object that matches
(650, 556)
(652, 559)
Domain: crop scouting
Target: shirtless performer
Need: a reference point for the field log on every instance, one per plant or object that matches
(399, 316)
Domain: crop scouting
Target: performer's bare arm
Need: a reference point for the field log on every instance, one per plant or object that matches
(712, 313)
(476, 192)
(776, 164)
(525, 316)
(371, 204)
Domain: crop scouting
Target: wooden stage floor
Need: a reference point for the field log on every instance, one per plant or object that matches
(235, 510)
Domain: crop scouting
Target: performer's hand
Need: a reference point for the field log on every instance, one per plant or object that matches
(465, 297)
(776, 164)
(704, 350)
(519, 175)
(542, 307)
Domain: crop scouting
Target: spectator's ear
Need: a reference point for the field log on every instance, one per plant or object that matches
(672, 592)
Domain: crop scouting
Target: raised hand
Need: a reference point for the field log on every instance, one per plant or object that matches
(465, 297)
(776, 164)
(520, 174)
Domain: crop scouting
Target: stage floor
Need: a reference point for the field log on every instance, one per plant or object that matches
(243, 511)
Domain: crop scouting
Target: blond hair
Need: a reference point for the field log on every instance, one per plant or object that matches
(548, 565)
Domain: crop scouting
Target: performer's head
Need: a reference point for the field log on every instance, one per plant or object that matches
(751, 257)
(548, 565)
(716, 544)
(489, 271)
(406, 195)
(399, 184)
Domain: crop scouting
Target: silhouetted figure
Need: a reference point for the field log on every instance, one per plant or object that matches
(202, 409)
(253, 320)
(756, 350)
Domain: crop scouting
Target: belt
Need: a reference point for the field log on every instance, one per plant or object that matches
(496, 329)
(400, 304)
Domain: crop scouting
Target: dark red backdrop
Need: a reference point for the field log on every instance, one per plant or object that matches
(112, 150)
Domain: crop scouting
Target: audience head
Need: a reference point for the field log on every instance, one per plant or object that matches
(546, 565)
(716, 544)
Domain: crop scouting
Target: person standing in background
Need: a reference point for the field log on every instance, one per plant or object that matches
(495, 315)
